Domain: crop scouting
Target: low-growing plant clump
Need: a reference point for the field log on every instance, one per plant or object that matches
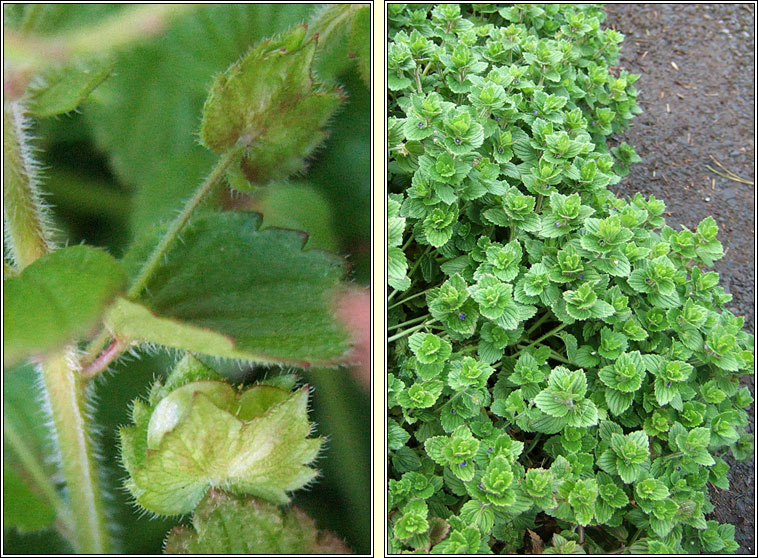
(563, 373)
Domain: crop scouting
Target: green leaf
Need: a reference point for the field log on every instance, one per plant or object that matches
(232, 290)
(359, 42)
(22, 508)
(57, 299)
(269, 101)
(63, 89)
(629, 472)
(551, 402)
(618, 401)
(583, 414)
(651, 489)
(300, 206)
(479, 515)
(396, 435)
(27, 461)
(196, 435)
(227, 524)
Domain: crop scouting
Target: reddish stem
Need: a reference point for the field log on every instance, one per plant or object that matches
(111, 353)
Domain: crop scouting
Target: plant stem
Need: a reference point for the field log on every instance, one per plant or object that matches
(27, 235)
(409, 331)
(548, 334)
(30, 239)
(93, 362)
(558, 357)
(95, 347)
(403, 301)
(418, 81)
(538, 207)
(635, 537)
(409, 322)
(104, 358)
(538, 323)
(65, 393)
(154, 261)
(534, 443)
(418, 261)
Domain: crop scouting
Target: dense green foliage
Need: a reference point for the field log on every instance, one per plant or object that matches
(560, 360)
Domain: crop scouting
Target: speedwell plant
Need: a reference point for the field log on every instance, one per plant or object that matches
(208, 283)
(561, 361)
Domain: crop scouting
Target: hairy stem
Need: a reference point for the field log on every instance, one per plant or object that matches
(27, 234)
(28, 238)
(65, 393)
(154, 260)
(94, 362)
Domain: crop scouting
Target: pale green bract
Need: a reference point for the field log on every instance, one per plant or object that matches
(269, 102)
(196, 432)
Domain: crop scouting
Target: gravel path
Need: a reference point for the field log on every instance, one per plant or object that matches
(697, 90)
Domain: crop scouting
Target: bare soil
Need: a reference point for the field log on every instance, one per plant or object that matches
(697, 64)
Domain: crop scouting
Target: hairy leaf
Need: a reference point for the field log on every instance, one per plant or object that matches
(233, 290)
(56, 299)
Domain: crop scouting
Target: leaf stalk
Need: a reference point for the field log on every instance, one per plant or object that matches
(153, 262)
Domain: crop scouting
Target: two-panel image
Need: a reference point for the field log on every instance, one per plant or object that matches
(378, 279)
